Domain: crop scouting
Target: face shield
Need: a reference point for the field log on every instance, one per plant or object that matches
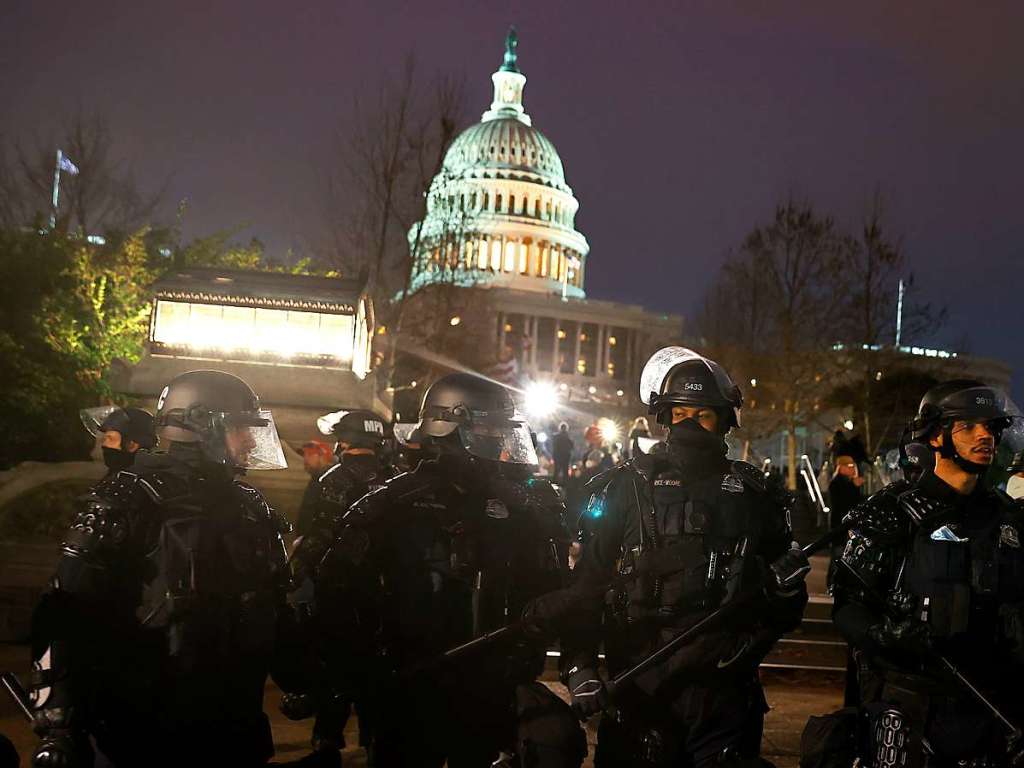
(252, 442)
(658, 368)
(978, 404)
(329, 421)
(93, 418)
(507, 440)
(404, 431)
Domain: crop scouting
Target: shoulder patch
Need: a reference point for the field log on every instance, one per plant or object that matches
(732, 483)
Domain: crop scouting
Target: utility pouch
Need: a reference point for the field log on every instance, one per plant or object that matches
(941, 571)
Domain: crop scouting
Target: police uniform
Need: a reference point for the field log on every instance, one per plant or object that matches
(435, 558)
(951, 565)
(667, 546)
(161, 624)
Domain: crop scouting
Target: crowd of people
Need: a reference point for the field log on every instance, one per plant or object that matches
(427, 583)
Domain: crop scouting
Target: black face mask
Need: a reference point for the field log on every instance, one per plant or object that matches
(116, 459)
(694, 446)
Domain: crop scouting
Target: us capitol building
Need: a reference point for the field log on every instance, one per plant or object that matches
(501, 219)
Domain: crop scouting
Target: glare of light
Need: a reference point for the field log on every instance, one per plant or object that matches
(382, 330)
(592, 389)
(455, 321)
(540, 399)
(561, 333)
(563, 386)
(848, 423)
(619, 392)
(878, 376)
(609, 430)
(542, 437)
(753, 382)
(412, 383)
(611, 341)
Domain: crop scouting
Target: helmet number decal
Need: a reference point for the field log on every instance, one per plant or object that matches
(694, 386)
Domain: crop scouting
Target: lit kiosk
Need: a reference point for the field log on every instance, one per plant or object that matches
(302, 342)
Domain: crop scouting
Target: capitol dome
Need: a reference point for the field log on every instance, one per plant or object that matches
(500, 213)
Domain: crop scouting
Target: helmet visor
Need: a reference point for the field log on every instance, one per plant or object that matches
(404, 431)
(978, 404)
(329, 422)
(506, 441)
(93, 418)
(652, 379)
(254, 445)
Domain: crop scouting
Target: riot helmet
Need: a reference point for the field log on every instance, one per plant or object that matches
(222, 414)
(131, 425)
(134, 424)
(483, 416)
(353, 429)
(680, 376)
(966, 400)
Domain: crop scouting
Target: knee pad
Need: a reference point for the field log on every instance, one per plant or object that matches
(891, 741)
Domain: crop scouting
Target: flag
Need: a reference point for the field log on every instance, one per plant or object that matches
(67, 166)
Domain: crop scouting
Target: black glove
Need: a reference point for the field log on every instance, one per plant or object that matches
(790, 570)
(296, 706)
(905, 636)
(534, 621)
(589, 695)
(61, 749)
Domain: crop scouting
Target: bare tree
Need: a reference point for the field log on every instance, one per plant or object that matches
(102, 197)
(865, 322)
(770, 316)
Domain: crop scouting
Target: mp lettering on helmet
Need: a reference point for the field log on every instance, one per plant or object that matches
(373, 426)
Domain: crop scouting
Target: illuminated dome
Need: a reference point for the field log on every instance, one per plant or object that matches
(500, 213)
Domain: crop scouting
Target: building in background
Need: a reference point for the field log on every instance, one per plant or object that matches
(498, 278)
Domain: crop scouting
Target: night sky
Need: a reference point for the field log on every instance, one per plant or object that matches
(680, 125)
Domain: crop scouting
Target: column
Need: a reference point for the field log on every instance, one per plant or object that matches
(576, 347)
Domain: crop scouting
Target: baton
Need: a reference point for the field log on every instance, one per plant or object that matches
(18, 693)
(724, 612)
(464, 649)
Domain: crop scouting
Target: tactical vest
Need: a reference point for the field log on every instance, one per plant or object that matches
(693, 541)
(953, 572)
(217, 564)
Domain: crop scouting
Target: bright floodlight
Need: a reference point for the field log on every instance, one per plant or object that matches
(848, 423)
(541, 399)
(542, 437)
(609, 430)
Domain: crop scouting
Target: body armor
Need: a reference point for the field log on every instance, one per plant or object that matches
(163, 614)
(687, 551)
(952, 566)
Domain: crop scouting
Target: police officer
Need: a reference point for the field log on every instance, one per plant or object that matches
(439, 556)
(360, 439)
(155, 638)
(935, 565)
(123, 432)
(672, 537)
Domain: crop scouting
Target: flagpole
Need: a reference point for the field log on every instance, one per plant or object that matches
(56, 191)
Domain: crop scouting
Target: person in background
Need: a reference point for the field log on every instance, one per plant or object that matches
(122, 432)
(317, 458)
(845, 491)
(561, 453)
(1015, 483)
(639, 429)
